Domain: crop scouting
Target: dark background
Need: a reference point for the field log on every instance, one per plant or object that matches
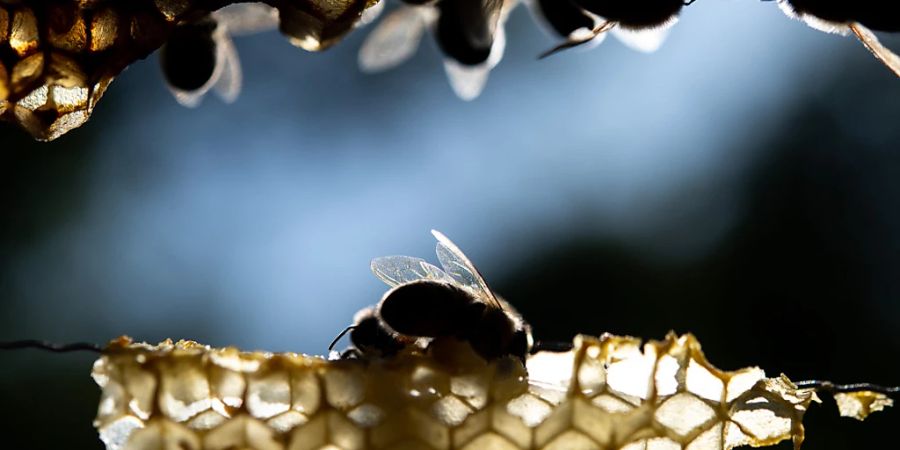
(741, 184)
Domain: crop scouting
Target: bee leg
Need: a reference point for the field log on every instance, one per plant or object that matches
(351, 353)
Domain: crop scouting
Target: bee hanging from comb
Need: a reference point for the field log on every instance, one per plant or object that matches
(470, 33)
(200, 55)
(642, 25)
(860, 17)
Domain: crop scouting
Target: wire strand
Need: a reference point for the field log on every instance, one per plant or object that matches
(51, 347)
(827, 386)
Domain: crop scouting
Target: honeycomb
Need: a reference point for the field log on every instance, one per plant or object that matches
(606, 393)
(57, 57)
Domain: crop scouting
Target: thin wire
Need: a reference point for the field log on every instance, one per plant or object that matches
(51, 347)
(830, 387)
(551, 346)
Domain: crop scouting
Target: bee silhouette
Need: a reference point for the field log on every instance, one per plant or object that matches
(200, 54)
(469, 32)
(844, 17)
(427, 303)
(642, 25)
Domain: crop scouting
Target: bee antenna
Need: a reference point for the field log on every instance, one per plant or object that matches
(551, 346)
(831, 388)
(339, 336)
(51, 347)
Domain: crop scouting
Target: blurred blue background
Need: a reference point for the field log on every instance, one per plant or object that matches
(741, 183)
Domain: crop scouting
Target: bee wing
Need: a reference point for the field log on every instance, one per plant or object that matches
(228, 78)
(458, 266)
(394, 40)
(884, 54)
(398, 270)
(247, 18)
(646, 41)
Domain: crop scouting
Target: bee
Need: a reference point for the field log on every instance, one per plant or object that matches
(469, 32)
(642, 25)
(845, 17)
(200, 54)
(427, 303)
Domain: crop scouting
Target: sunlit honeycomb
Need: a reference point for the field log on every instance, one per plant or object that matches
(57, 57)
(606, 393)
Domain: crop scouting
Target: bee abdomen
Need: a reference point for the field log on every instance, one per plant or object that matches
(634, 14)
(465, 30)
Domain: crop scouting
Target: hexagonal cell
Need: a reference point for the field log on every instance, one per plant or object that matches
(427, 428)
(632, 375)
(742, 381)
(206, 420)
(427, 383)
(67, 30)
(268, 394)
(227, 387)
(344, 387)
(701, 382)
(471, 388)
(366, 415)
(530, 409)
(763, 423)
(241, 432)
(24, 37)
(327, 429)
(653, 444)
(116, 433)
(163, 435)
(476, 425)
(612, 404)
(572, 440)
(312, 435)
(450, 410)
(344, 434)
(550, 374)
(104, 29)
(113, 400)
(684, 414)
(591, 375)
(183, 390)
(141, 388)
(306, 393)
(490, 441)
(666, 376)
(560, 420)
(711, 439)
(287, 421)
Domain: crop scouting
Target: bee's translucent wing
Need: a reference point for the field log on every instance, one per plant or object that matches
(247, 18)
(397, 270)
(646, 41)
(228, 78)
(885, 55)
(458, 266)
(394, 40)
